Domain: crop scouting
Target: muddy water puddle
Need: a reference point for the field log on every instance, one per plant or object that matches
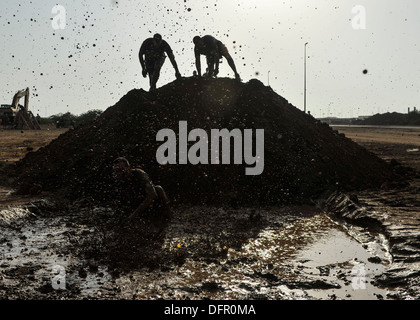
(309, 258)
(337, 258)
(216, 253)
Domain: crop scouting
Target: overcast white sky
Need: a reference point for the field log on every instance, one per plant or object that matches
(93, 61)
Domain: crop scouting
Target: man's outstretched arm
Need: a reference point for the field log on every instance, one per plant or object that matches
(141, 54)
(141, 59)
(174, 64)
(198, 63)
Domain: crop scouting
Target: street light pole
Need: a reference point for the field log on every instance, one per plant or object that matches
(304, 93)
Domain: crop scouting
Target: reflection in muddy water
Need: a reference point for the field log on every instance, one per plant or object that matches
(334, 247)
(301, 258)
(273, 253)
(336, 256)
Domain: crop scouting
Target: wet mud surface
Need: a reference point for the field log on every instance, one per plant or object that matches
(203, 253)
(395, 212)
(363, 245)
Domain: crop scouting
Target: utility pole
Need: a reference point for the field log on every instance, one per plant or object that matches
(304, 89)
(268, 77)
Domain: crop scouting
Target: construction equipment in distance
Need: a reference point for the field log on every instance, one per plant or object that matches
(17, 115)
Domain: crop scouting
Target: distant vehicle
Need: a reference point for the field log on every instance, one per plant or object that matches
(17, 115)
(7, 114)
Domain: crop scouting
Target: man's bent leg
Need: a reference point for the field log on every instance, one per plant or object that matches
(210, 66)
(162, 195)
(156, 73)
(164, 200)
(150, 65)
(150, 198)
(225, 53)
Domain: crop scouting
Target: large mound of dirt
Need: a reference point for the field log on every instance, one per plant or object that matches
(303, 157)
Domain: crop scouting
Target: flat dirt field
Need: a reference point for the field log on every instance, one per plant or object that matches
(399, 143)
(15, 144)
(382, 134)
(397, 209)
(53, 251)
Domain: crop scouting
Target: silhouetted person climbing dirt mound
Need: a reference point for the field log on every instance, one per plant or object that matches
(214, 50)
(153, 50)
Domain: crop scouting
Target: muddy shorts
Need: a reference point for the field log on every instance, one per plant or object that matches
(154, 64)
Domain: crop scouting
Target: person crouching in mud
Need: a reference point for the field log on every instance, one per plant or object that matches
(135, 183)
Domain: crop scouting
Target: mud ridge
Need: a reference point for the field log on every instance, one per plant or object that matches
(404, 248)
(347, 207)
